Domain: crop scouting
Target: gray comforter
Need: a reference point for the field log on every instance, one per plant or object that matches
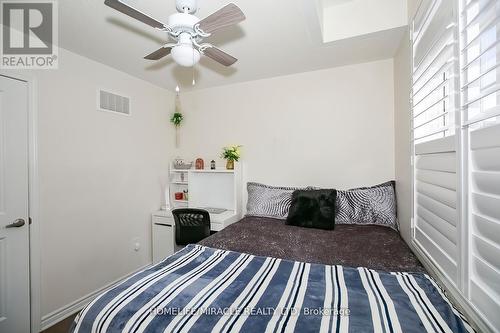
(374, 247)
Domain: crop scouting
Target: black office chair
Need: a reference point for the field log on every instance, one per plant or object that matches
(191, 225)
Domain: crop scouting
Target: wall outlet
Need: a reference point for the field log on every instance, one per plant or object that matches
(136, 244)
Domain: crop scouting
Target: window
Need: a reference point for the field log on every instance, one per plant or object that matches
(456, 137)
(480, 101)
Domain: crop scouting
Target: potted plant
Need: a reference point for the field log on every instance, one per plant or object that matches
(176, 120)
(231, 154)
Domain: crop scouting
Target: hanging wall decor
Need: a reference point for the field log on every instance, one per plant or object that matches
(177, 117)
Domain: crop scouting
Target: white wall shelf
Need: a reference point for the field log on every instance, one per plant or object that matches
(180, 183)
(212, 171)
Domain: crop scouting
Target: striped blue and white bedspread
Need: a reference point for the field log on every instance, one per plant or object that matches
(201, 289)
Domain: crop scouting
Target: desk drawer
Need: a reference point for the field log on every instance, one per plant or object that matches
(214, 226)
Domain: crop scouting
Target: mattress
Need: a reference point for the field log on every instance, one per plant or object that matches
(201, 289)
(374, 247)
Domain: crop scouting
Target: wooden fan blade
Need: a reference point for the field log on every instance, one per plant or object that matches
(224, 17)
(134, 13)
(160, 53)
(220, 56)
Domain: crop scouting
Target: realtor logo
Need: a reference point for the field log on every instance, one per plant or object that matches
(29, 34)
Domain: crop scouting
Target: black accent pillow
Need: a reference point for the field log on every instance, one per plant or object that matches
(313, 209)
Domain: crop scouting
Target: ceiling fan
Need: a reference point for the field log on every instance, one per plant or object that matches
(187, 31)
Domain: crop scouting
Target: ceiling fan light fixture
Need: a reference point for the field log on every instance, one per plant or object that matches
(185, 55)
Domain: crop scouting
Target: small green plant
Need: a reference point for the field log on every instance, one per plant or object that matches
(177, 119)
(231, 153)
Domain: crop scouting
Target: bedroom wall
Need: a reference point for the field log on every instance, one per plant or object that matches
(100, 177)
(402, 82)
(412, 8)
(402, 123)
(346, 19)
(331, 128)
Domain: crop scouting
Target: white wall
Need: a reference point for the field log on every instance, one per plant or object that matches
(412, 8)
(331, 127)
(402, 123)
(346, 19)
(402, 115)
(100, 174)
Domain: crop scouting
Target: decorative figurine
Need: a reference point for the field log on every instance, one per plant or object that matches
(212, 165)
(200, 164)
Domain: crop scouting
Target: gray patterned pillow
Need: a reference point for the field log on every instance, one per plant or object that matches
(269, 201)
(368, 205)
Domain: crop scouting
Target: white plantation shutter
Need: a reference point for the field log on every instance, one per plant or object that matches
(456, 136)
(436, 216)
(456, 147)
(480, 85)
(434, 61)
(485, 222)
(434, 106)
(480, 50)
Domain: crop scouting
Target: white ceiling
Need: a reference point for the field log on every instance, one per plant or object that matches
(279, 37)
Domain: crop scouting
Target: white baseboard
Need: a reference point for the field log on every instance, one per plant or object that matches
(64, 312)
(453, 294)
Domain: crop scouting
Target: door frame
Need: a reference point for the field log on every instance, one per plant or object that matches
(33, 198)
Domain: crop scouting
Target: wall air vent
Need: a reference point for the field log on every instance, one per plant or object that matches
(110, 102)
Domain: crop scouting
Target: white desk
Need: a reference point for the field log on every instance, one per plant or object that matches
(163, 230)
(163, 235)
(217, 221)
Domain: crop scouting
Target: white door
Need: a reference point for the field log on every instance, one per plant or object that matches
(14, 228)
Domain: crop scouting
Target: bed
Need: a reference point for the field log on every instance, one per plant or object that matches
(216, 289)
